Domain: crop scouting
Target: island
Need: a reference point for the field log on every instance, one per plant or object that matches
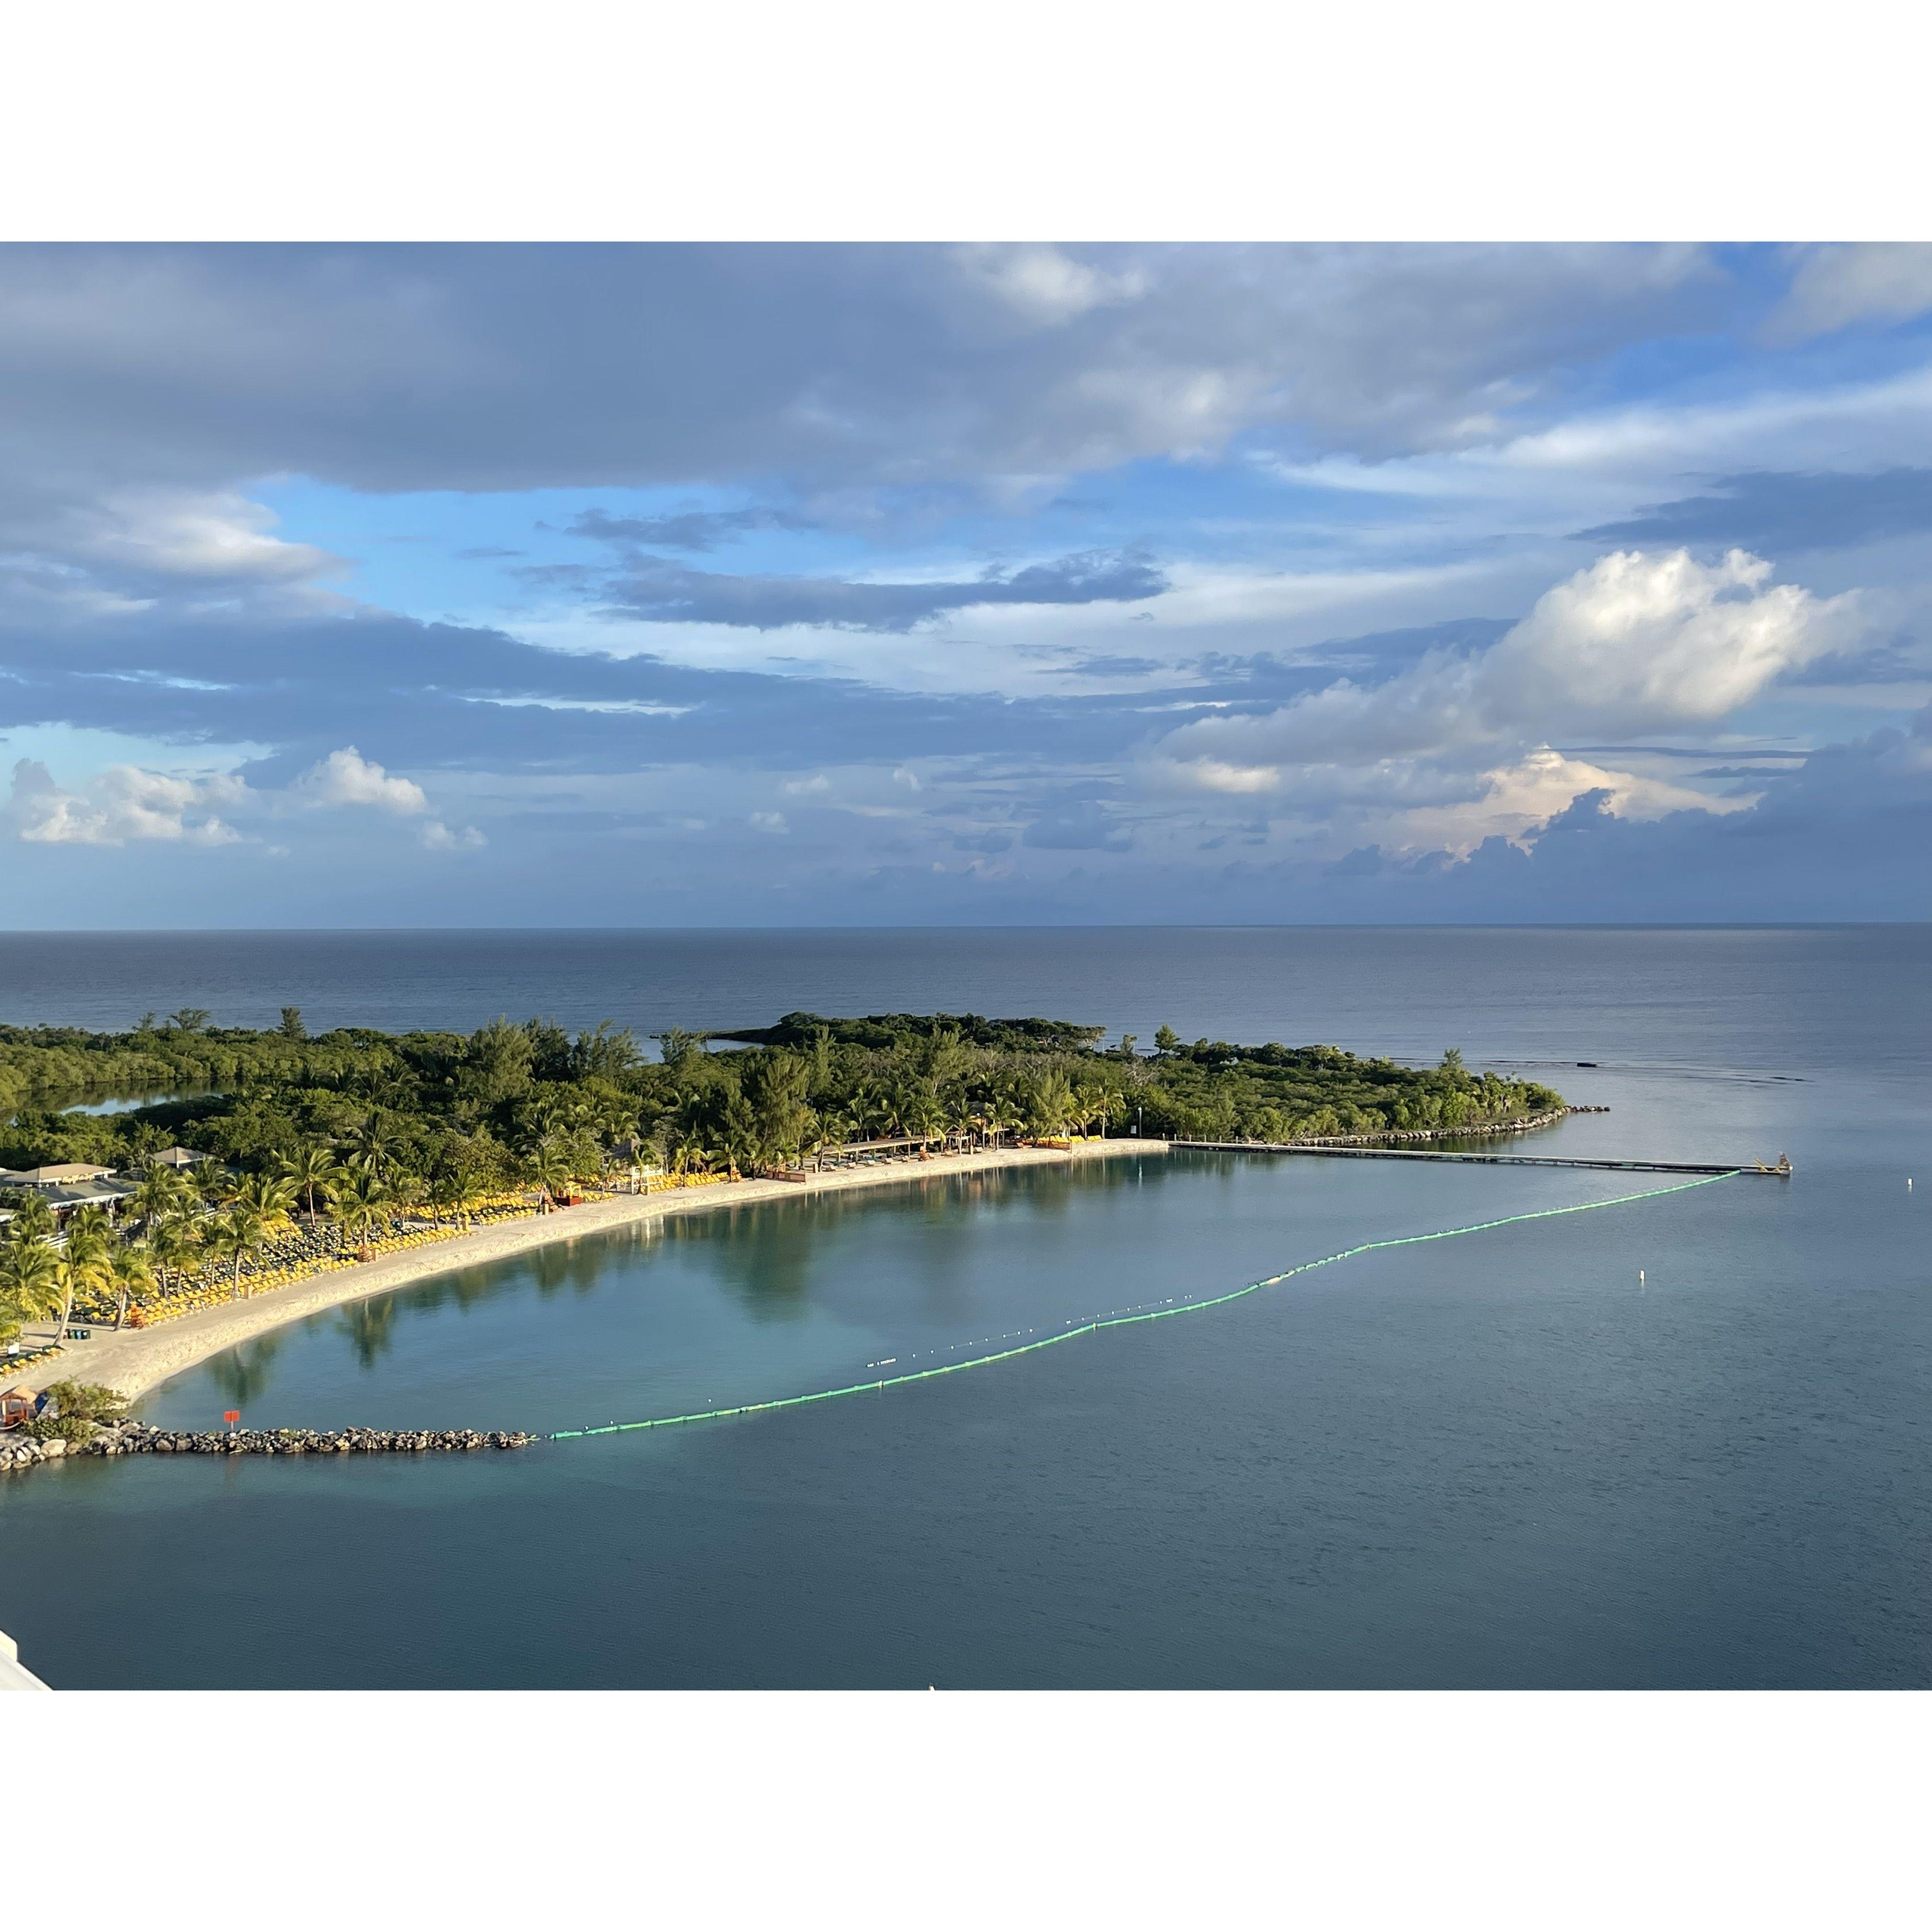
(303, 1171)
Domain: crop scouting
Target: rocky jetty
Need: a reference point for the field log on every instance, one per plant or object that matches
(141, 1438)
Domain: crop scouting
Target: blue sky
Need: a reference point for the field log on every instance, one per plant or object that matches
(796, 585)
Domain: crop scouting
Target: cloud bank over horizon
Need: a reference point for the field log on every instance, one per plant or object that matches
(795, 585)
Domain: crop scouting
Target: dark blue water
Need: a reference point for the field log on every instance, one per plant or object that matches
(1744, 998)
(1500, 1460)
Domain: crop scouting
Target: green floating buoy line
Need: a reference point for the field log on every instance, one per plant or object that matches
(1093, 1324)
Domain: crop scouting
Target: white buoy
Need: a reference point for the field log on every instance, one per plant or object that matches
(1639, 1277)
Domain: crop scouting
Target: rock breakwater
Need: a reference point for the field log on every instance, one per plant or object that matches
(141, 1438)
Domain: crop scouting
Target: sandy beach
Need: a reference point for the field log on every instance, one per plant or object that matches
(137, 1360)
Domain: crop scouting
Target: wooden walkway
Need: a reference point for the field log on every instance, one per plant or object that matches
(1782, 1170)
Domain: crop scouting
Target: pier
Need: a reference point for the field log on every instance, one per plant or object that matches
(1781, 1170)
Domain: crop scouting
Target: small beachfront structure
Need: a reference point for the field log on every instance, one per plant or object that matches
(180, 1159)
(65, 1174)
(71, 1184)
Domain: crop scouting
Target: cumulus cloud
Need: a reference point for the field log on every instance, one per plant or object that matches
(1517, 799)
(1637, 642)
(438, 838)
(124, 804)
(345, 777)
(1640, 642)
(1844, 837)
(128, 804)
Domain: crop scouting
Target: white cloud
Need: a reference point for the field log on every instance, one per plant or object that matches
(769, 821)
(1518, 796)
(1853, 281)
(806, 787)
(1637, 642)
(1044, 285)
(1457, 747)
(438, 838)
(1641, 641)
(1603, 465)
(218, 535)
(345, 777)
(1214, 774)
(124, 803)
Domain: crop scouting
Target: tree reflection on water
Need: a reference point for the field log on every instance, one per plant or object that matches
(370, 1326)
(243, 1373)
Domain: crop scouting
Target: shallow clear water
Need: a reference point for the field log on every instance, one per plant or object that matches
(1497, 1460)
(128, 1103)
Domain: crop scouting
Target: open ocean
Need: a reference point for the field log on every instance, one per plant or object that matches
(1498, 1461)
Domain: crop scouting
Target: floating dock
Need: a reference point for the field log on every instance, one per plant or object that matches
(1781, 1170)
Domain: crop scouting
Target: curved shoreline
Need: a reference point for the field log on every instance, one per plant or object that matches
(137, 1359)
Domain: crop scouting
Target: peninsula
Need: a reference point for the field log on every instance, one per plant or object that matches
(296, 1173)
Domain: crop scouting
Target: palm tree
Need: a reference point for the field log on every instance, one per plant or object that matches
(76, 1272)
(465, 1190)
(917, 1110)
(405, 1186)
(687, 1153)
(550, 1166)
(1090, 1104)
(89, 1224)
(446, 1189)
(30, 1279)
(961, 1115)
(1006, 1110)
(869, 1107)
(85, 1256)
(372, 1146)
(834, 1129)
(132, 1269)
(1048, 1102)
(268, 1196)
(232, 1236)
(366, 1201)
(258, 1209)
(33, 1218)
(171, 1244)
(314, 1170)
(214, 1185)
(161, 1193)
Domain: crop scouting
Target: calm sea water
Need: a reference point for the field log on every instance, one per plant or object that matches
(1500, 1460)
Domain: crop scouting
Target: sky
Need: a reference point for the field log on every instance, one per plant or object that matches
(800, 585)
